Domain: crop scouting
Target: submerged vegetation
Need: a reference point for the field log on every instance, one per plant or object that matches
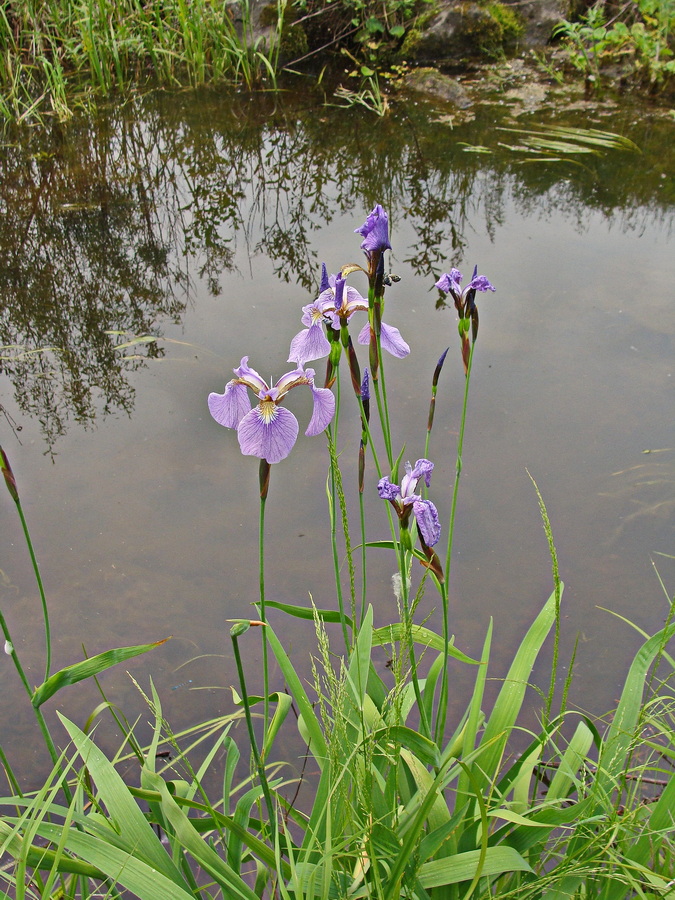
(405, 799)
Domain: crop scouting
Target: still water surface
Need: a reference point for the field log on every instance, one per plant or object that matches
(203, 221)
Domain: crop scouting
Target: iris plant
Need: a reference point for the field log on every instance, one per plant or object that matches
(334, 307)
(465, 304)
(267, 430)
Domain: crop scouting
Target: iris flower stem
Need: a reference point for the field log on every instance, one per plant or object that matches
(364, 587)
(13, 783)
(443, 699)
(251, 736)
(382, 406)
(403, 563)
(331, 432)
(263, 614)
(42, 724)
(38, 579)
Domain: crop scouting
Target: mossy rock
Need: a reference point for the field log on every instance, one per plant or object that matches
(466, 30)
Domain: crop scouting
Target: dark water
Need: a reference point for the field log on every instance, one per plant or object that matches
(203, 221)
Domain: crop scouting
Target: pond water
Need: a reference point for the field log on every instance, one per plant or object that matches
(203, 220)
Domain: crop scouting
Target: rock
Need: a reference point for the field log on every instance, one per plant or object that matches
(465, 30)
(443, 87)
(540, 17)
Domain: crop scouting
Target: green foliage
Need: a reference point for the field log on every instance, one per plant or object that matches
(493, 30)
(57, 57)
(641, 43)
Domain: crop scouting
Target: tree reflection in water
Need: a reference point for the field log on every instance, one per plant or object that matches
(107, 223)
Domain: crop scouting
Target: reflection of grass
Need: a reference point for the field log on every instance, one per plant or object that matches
(554, 143)
(647, 488)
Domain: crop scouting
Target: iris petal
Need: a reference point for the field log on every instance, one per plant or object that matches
(309, 344)
(271, 440)
(428, 523)
(375, 231)
(250, 377)
(324, 410)
(229, 409)
(423, 469)
(392, 341)
(387, 490)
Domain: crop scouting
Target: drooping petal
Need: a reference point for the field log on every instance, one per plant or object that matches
(428, 522)
(324, 410)
(229, 409)
(480, 283)
(392, 341)
(309, 344)
(364, 334)
(250, 377)
(268, 432)
(450, 283)
(390, 338)
(387, 490)
(375, 231)
(423, 469)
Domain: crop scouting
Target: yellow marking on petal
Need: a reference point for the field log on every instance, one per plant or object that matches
(268, 411)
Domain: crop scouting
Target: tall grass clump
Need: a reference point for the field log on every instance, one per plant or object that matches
(410, 799)
(60, 55)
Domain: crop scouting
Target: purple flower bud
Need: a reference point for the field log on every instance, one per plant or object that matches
(375, 231)
(325, 284)
(365, 386)
(10, 480)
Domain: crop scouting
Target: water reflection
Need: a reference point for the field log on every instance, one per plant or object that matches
(106, 224)
(203, 224)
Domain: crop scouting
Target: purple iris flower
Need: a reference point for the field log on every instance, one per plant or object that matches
(451, 283)
(375, 231)
(268, 431)
(334, 307)
(404, 500)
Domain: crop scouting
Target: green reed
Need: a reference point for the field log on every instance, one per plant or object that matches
(57, 56)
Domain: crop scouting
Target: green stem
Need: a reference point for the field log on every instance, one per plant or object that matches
(364, 589)
(263, 612)
(46, 735)
(443, 700)
(383, 413)
(251, 736)
(403, 569)
(333, 494)
(13, 783)
(383, 406)
(38, 578)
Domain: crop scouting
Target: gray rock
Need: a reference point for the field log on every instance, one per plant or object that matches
(438, 85)
(540, 18)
